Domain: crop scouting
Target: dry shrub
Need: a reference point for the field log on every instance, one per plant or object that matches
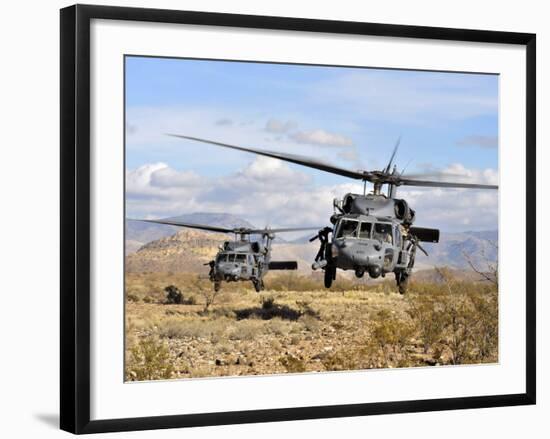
(310, 323)
(388, 340)
(293, 281)
(278, 326)
(149, 359)
(267, 302)
(292, 364)
(246, 330)
(472, 328)
(430, 319)
(173, 295)
(222, 312)
(131, 297)
(344, 359)
(197, 329)
(486, 327)
(459, 318)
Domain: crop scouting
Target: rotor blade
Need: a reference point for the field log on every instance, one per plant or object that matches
(422, 175)
(291, 229)
(292, 158)
(191, 225)
(426, 183)
(393, 154)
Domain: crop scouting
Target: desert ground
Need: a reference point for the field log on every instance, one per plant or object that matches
(177, 327)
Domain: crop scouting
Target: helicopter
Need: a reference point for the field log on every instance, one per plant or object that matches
(372, 232)
(242, 259)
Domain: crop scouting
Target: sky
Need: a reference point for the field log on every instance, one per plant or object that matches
(352, 117)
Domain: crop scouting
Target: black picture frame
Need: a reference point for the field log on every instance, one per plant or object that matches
(75, 217)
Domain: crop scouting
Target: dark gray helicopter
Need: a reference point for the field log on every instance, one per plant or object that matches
(242, 259)
(372, 233)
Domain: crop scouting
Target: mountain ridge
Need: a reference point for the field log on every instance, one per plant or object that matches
(452, 250)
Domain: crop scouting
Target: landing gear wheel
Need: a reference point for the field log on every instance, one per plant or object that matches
(402, 282)
(258, 285)
(217, 286)
(359, 274)
(330, 275)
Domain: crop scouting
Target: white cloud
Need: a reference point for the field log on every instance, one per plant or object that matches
(159, 176)
(322, 138)
(457, 209)
(268, 191)
(267, 170)
(462, 174)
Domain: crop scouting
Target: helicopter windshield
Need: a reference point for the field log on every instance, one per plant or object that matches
(348, 228)
(365, 230)
(231, 257)
(382, 232)
(240, 258)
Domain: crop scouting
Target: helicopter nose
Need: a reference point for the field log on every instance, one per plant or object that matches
(232, 269)
(359, 253)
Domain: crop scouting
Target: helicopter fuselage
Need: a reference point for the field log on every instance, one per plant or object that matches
(238, 263)
(372, 235)
(370, 244)
(241, 260)
(245, 260)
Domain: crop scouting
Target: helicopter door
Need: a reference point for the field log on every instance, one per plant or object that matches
(392, 255)
(399, 243)
(389, 255)
(252, 263)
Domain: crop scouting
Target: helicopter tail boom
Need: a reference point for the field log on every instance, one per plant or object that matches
(283, 265)
(425, 234)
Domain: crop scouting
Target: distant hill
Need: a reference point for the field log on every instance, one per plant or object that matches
(452, 246)
(139, 233)
(185, 251)
(188, 249)
(158, 247)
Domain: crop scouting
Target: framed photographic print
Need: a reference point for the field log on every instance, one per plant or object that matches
(303, 218)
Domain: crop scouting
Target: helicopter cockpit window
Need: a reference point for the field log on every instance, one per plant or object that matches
(348, 228)
(398, 237)
(383, 232)
(364, 230)
(240, 258)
